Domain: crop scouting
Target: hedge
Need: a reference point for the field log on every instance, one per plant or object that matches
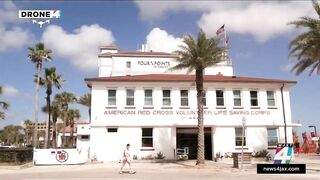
(16, 155)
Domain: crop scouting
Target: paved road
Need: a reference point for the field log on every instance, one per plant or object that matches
(150, 171)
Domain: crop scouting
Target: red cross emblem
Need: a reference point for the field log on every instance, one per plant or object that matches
(62, 156)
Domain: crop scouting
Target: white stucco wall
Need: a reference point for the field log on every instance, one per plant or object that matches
(116, 66)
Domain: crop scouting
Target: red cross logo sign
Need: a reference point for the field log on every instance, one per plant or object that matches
(62, 156)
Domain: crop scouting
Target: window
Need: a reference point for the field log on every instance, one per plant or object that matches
(112, 130)
(184, 98)
(219, 98)
(166, 97)
(236, 98)
(112, 97)
(239, 137)
(270, 98)
(147, 139)
(85, 137)
(148, 97)
(272, 136)
(128, 64)
(130, 97)
(204, 99)
(254, 98)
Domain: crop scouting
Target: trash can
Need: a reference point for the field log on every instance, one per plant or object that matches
(235, 160)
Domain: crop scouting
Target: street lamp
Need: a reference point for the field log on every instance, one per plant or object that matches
(315, 130)
(243, 125)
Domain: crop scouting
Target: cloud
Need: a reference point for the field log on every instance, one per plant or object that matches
(8, 12)
(160, 40)
(262, 20)
(9, 90)
(80, 47)
(14, 37)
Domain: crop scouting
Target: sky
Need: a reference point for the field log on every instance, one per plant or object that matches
(259, 36)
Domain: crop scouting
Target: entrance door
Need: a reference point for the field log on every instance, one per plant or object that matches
(188, 137)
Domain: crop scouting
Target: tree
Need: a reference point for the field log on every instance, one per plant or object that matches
(306, 46)
(50, 80)
(12, 135)
(3, 106)
(86, 101)
(28, 126)
(37, 55)
(198, 55)
(63, 99)
(72, 115)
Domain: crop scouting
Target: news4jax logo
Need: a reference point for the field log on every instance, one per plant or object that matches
(40, 17)
(283, 154)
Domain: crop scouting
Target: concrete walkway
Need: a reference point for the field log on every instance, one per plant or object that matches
(149, 170)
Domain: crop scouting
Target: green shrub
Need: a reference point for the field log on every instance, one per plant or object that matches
(135, 157)
(16, 155)
(261, 153)
(160, 155)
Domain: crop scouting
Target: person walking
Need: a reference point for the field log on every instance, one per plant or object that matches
(126, 159)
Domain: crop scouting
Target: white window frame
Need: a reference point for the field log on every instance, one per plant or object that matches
(149, 137)
(128, 63)
(130, 96)
(277, 133)
(274, 97)
(115, 97)
(224, 101)
(205, 92)
(245, 137)
(145, 97)
(241, 105)
(258, 99)
(166, 98)
(184, 97)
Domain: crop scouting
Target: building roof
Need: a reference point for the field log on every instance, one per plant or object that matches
(138, 54)
(184, 78)
(111, 47)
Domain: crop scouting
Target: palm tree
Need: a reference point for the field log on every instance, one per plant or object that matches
(37, 55)
(50, 80)
(56, 113)
(86, 101)
(3, 105)
(198, 55)
(306, 46)
(72, 114)
(63, 99)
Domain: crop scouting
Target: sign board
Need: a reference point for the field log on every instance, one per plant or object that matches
(60, 156)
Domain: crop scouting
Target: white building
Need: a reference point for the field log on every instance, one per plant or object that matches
(137, 100)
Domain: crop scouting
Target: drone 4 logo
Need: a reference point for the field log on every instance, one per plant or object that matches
(43, 15)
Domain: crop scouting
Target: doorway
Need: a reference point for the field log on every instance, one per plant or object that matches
(188, 137)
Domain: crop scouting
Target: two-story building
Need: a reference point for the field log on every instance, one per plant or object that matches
(137, 100)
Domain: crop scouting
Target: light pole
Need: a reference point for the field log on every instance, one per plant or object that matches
(315, 130)
(243, 128)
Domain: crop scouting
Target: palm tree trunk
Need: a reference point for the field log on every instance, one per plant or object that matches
(199, 86)
(64, 127)
(89, 115)
(54, 132)
(71, 135)
(35, 135)
(47, 136)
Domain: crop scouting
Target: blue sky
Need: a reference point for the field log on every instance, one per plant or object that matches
(258, 31)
